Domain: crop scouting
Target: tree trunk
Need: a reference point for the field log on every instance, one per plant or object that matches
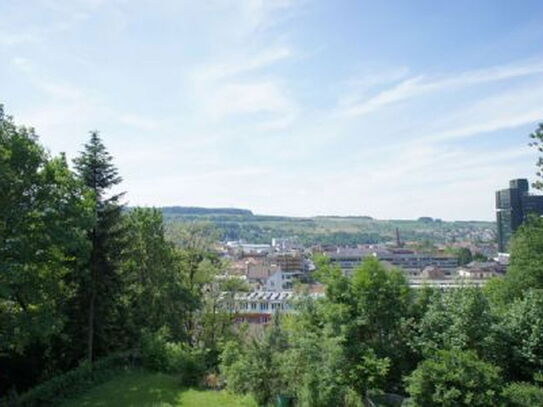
(91, 326)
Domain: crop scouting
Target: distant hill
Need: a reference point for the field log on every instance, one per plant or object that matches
(235, 223)
(194, 210)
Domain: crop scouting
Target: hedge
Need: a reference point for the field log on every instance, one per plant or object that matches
(77, 380)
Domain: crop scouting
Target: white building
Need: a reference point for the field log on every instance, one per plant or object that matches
(281, 280)
(259, 306)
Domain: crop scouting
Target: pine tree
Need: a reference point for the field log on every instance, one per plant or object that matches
(100, 286)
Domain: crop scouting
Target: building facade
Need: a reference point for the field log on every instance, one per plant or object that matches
(513, 205)
(410, 262)
(258, 307)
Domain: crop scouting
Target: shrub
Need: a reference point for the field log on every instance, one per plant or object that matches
(455, 378)
(161, 355)
(523, 395)
(75, 381)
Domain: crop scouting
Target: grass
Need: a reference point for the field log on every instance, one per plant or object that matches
(140, 388)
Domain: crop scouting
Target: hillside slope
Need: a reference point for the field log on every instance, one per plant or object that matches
(236, 224)
(140, 388)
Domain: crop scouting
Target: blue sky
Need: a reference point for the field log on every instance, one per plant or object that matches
(393, 109)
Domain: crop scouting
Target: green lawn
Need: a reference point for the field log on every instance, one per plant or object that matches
(141, 388)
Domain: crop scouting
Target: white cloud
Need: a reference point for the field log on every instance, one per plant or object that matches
(373, 78)
(242, 64)
(505, 120)
(404, 90)
(419, 85)
(262, 14)
(508, 109)
(238, 85)
(249, 97)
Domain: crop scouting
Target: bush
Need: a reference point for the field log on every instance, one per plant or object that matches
(75, 381)
(523, 395)
(161, 355)
(455, 378)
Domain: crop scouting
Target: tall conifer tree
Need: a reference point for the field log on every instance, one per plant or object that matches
(95, 168)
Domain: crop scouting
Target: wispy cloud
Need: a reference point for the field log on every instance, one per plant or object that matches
(508, 109)
(263, 14)
(242, 63)
(52, 88)
(419, 85)
(241, 86)
(19, 27)
(504, 121)
(248, 97)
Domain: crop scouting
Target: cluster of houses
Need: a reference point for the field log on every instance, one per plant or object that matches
(420, 268)
(274, 270)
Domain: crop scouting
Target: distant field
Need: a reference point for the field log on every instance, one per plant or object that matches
(141, 388)
(243, 224)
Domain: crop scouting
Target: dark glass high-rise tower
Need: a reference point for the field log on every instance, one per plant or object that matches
(512, 207)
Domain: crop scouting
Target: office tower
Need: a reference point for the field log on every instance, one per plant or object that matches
(512, 207)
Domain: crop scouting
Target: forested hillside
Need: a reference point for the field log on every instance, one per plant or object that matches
(236, 224)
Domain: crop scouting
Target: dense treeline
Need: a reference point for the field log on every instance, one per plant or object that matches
(264, 234)
(192, 210)
(82, 278)
(334, 230)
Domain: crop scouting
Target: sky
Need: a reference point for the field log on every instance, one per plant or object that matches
(392, 109)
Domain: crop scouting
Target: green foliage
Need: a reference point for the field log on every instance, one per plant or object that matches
(421, 300)
(526, 265)
(520, 337)
(314, 369)
(498, 292)
(69, 384)
(537, 143)
(457, 319)
(525, 270)
(154, 291)
(81, 277)
(195, 236)
(332, 352)
(161, 355)
(453, 379)
(325, 230)
(214, 321)
(327, 273)
(254, 367)
(522, 395)
(464, 256)
(381, 303)
(142, 388)
(99, 282)
(382, 298)
(43, 213)
(479, 257)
